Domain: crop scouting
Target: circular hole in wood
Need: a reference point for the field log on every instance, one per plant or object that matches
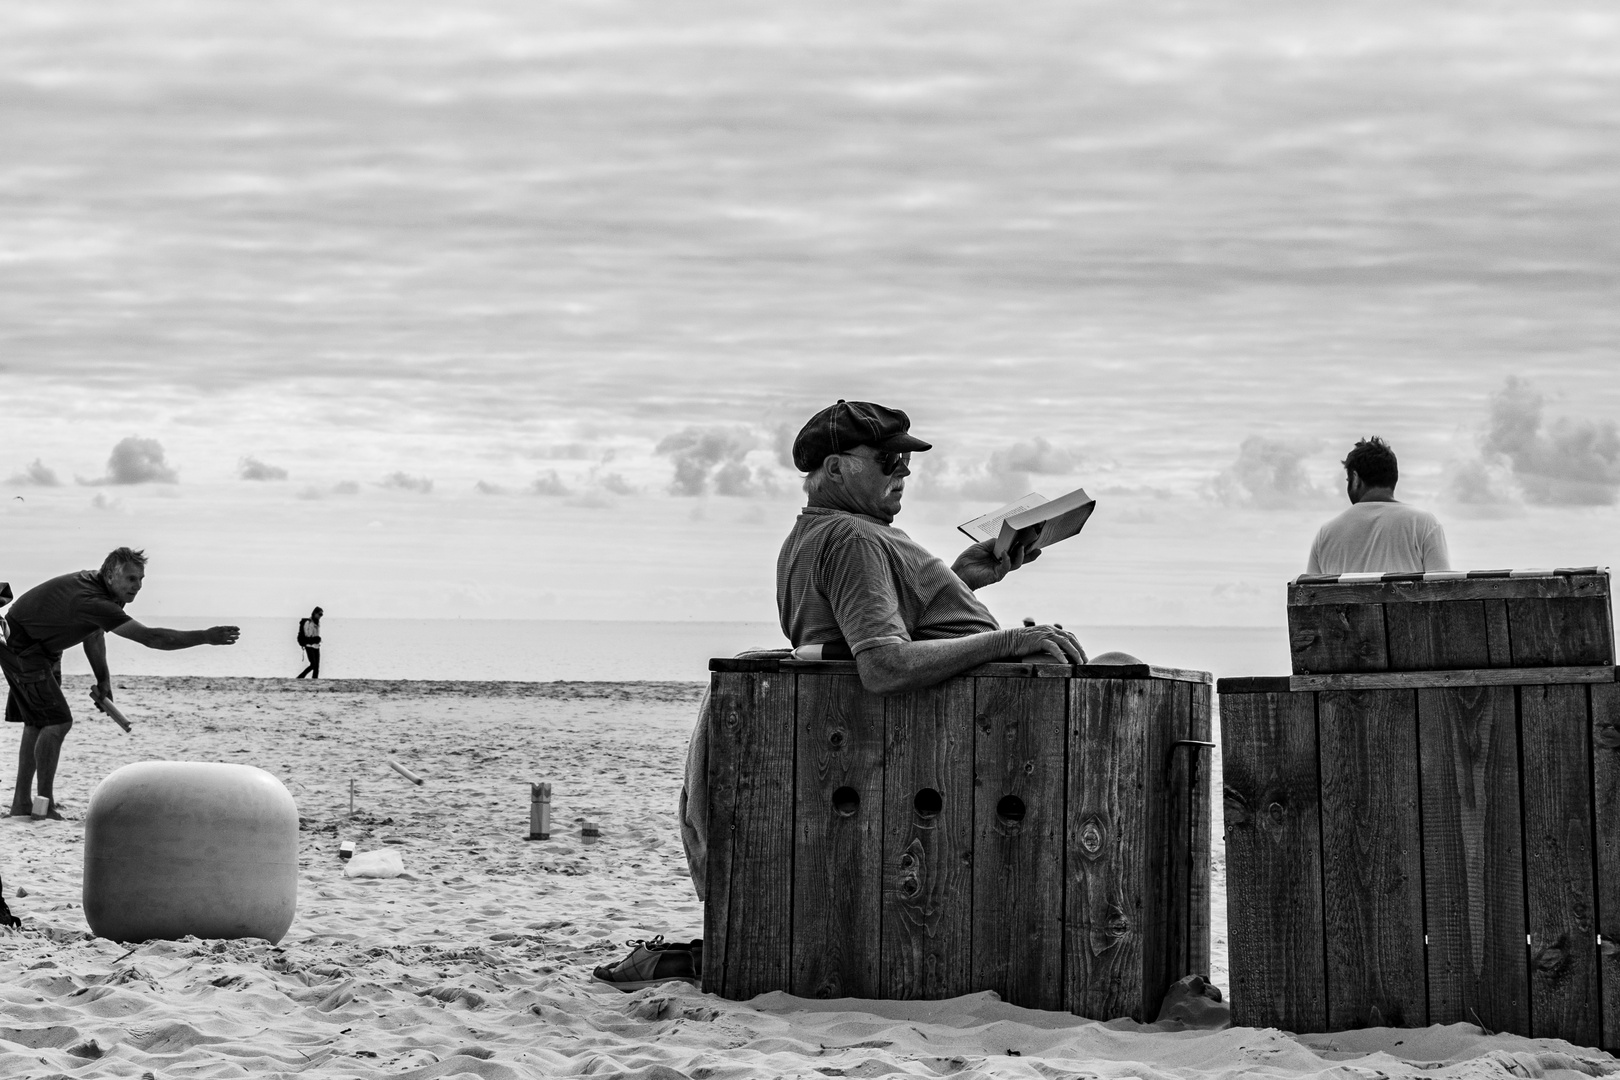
(846, 800)
(1010, 809)
(928, 803)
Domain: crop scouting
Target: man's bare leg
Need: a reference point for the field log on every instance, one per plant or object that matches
(37, 758)
(22, 799)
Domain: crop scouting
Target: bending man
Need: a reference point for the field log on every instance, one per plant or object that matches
(74, 609)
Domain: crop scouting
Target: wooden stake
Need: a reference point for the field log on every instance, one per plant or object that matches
(406, 773)
(539, 811)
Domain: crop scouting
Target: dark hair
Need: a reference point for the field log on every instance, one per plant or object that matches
(316, 612)
(122, 557)
(1374, 462)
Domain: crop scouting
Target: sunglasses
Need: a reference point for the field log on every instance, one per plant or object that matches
(890, 460)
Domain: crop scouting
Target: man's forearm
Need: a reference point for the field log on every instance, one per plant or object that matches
(95, 651)
(164, 638)
(908, 665)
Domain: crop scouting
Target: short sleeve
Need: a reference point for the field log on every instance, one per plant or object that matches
(1313, 561)
(858, 583)
(102, 613)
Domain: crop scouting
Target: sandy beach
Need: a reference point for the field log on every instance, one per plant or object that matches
(477, 962)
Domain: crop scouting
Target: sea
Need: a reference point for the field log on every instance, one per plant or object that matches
(532, 650)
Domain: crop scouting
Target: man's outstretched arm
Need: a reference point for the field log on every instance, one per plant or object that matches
(911, 665)
(158, 637)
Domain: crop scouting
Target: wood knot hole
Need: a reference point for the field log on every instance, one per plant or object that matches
(928, 803)
(1010, 810)
(836, 738)
(1091, 838)
(846, 801)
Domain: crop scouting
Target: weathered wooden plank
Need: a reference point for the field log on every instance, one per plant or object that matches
(928, 843)
(1473, 857)
(735, 666)
(1337, 637)
(750, 865)
(1371, 859)
(1262, 684)
(1166, 789)
(1606, 812)
(1387, 592)
(1555, 729)
(1107, 917)
(1273, 860)
(838, 825)
(1201, 759)
(1436, 635)
(1564, 632)
(1498, 637)
(1418, 680)
(1019, 743)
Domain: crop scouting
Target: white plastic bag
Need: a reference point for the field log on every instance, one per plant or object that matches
(384, 862)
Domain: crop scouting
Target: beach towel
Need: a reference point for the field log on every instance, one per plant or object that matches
(693, 808)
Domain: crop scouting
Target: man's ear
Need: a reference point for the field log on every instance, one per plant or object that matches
(834, 464)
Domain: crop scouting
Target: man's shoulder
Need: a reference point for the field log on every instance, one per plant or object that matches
(836, 525)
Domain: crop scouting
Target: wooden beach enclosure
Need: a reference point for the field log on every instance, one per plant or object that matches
(1420, 845)
(1042, 831)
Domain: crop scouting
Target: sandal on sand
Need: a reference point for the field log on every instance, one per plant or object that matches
(655, 961)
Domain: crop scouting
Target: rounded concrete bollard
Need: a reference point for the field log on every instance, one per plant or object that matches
(190, 847)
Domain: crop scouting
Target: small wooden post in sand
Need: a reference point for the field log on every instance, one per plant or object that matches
(539, 812)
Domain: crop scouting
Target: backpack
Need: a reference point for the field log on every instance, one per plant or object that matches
(303, 638)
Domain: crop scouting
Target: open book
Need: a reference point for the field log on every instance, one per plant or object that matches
(1057, 519)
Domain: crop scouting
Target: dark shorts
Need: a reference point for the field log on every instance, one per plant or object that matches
(34, 678)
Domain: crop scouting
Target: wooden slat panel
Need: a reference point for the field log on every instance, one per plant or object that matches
(1371, 859)
(1198, 891)
(928, 858)
(1437, 635)
(1019, 742)
(1107, 917)
(1388, 592)
(1273, 860)
(1337, 637)
(838, 862)
(1498, 637)
(1561, 632)
(1166, 962)
(1473, 858)
(1555, 733)
(1606, 808)
(750, 868)
(1417, 680)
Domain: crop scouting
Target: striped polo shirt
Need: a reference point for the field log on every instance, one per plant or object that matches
(849, 577)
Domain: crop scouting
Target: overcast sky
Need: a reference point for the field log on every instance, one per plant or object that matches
(510, 309)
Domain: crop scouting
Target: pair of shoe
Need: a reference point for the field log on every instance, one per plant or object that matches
(653, 961)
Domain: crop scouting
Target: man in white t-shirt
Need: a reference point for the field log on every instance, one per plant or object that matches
(1377, 534)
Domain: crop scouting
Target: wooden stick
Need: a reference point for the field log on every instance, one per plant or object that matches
(403, 771)
(539, 811)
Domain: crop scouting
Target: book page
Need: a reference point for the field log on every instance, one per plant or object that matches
(988, 526)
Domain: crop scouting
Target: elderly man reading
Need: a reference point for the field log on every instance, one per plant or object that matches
(847, 579)
(850, 584)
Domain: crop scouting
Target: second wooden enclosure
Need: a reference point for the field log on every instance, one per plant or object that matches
(1038, 831)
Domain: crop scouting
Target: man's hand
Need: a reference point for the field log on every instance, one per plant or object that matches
(222, 635)
(102, 691)
(978, 566)
(1054, 641)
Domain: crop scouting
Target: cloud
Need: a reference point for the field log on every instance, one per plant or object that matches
(1009, 472)
(101, 502)
(1270, 474)
(705, 456)
(346, 487)
(483, 487)
(548, 483)
(615, 483)
(136, 461)
(561, 452)
(419, 484)
(1565, 463)
(36, 475)
(251, 468)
